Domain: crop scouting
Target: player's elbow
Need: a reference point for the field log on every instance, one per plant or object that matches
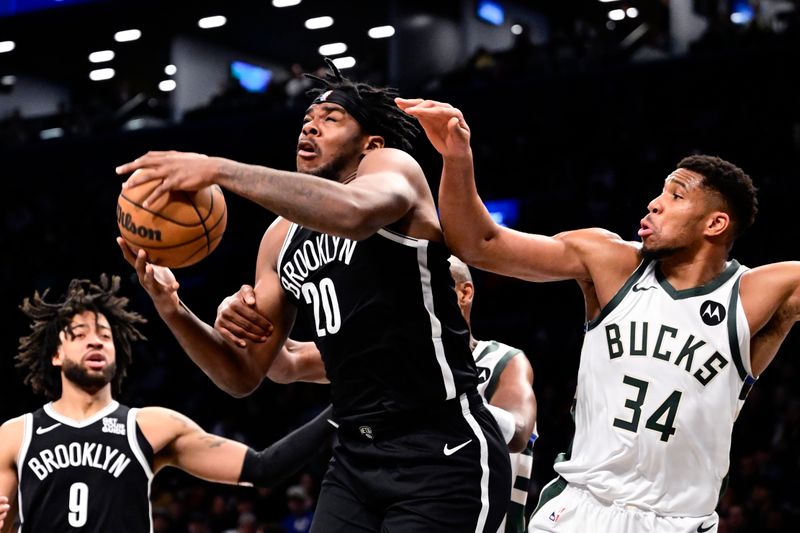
(239, 385)
(518, 442)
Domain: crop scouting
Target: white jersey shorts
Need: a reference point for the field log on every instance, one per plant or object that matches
(575, 510)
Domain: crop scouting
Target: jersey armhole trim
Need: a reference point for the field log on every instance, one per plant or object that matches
(733, 333)
(498, 371)
(134, 443)
(617, 299)
(27, 435)
(402, 239)
(286, 241)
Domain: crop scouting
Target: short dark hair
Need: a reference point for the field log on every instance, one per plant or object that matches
(48, 320)
(397, 128)
(732, 183)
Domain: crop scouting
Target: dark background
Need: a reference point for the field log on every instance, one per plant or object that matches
(578, 127)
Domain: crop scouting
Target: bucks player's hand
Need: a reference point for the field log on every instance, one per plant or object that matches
(239, 321)
(158, 281)
(444, 125)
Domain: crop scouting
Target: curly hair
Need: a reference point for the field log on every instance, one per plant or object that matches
(734, 186)
(385, 119)
(48, 320)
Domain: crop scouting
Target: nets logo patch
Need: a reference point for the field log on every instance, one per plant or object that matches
(483, 374)
(712, 313)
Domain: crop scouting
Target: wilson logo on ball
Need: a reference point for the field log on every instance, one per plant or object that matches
(125, 221)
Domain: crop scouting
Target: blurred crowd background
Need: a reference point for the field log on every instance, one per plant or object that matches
(578, 110)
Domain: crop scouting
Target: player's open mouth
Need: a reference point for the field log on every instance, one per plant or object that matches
(645, 230)
(306, 149)
(95, 361)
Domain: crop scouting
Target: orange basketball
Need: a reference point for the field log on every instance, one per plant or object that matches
(177, 230)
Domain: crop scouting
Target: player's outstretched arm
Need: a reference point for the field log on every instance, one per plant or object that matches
(235, 369)
(514, 394)
(178, 441)
(770, 296)
(380, 194)
(10, 441)
(475, 237)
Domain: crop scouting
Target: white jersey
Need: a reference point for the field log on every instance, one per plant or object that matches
(491, 358)
(663, 375)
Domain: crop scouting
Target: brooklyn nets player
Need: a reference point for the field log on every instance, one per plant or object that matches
(676, 335)
(84, 462)
(358, 255)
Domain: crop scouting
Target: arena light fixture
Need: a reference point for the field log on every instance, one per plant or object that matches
(317, 23)
(51, 133)
(125, 36)
(8, 80)
(616, 14)
(167, 85)
(101, 56)
(101, 74)
(7, 46)
(212, 22)
(170, 70)
(516, 29)
(332, 49)
(285, 3)
(381, 32)
(632, 12)
(344, 62)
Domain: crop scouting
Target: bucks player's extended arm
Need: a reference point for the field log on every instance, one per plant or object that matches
(238, 370)
(10, 441)
(178, 441)
(514, 393)
(385, 190)
(771, 300)
(588, 254)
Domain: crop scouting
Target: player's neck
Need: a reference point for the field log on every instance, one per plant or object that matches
(78, 404)
(689, 272)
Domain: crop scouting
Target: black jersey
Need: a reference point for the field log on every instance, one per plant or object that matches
(385, 318)
(85, 476)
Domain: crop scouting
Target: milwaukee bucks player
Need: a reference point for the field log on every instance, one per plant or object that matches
(505, 380)
(676, 334)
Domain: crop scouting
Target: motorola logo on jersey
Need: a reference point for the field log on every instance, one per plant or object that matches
(712, 313)
(483, 374)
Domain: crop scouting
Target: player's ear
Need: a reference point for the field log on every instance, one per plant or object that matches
(373, 142)
(466, 291)
(58, 357)
(718, 223)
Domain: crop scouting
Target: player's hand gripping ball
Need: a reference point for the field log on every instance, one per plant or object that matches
(177, 230)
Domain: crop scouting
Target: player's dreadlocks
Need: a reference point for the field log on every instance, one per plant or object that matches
(373, 107)
(49, 319)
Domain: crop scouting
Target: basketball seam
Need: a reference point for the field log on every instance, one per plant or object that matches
(152, 247)
(200, 216)
(168, 219)
(183, 263)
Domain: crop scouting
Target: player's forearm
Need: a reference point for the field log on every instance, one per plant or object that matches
(297, 361)
(320, 204)
(466, 223)
(230, 368)
(279, 461)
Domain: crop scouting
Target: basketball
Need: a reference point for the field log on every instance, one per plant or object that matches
(177, 230)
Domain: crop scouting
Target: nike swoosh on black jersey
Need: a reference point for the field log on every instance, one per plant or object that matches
(40, 430)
